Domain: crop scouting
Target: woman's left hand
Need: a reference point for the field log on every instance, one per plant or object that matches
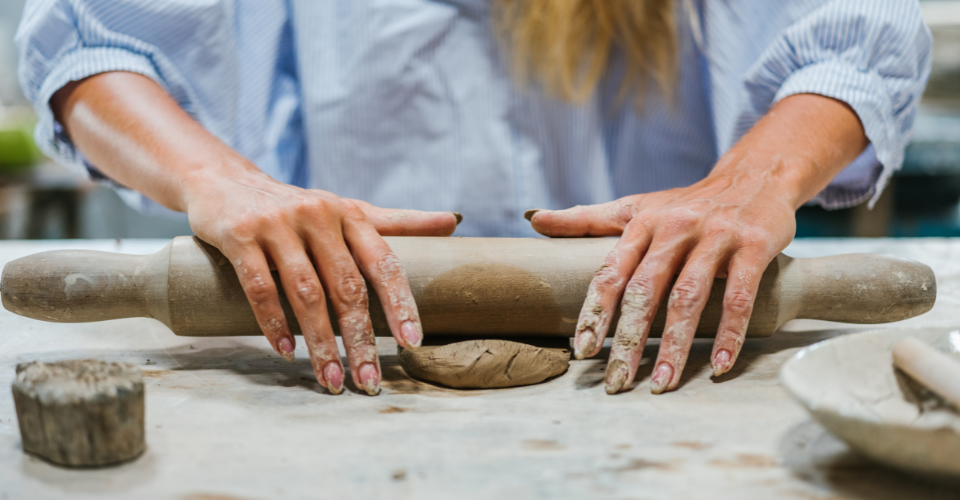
(720, 227)
(730, 225)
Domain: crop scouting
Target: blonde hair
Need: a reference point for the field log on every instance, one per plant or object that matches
(565, 45)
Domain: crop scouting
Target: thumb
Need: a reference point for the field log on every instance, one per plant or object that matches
(605, 219)
(399, 222)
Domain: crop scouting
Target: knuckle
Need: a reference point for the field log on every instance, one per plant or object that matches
(753, 237)
(259, 290)
(310, 208)
(684, 219)
(673, 345)
(637, 295)
(607, 277)
(352, 290)
(686, 295)
(738, 301)
(730, 336)
(639, 289)
(349, 209)
(308, 291)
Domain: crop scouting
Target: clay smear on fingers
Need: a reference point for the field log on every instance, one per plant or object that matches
(393, 280)
(594, 319)
(274, 329)
(675, 347)
(737, 337)
(628, 342)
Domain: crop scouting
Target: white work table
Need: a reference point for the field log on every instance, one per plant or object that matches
(227, 418)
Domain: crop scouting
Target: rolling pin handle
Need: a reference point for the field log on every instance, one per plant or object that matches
(859, 288)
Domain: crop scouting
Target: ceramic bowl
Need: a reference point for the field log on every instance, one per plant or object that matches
(849, 385)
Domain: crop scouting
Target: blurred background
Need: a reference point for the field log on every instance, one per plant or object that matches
(41, 200)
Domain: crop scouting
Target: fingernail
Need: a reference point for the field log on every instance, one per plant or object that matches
(286, 349)
(617, 373)
(530, 213)
(721, 362)
(586, 343)
(459, 217)
(661, 377)
(370, 379)
(410, 333)
(333, 374)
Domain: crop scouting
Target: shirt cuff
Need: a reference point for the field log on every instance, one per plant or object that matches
(50, 135)
(864, 91)
(77, 65)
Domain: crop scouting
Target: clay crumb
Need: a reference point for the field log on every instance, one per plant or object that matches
(746, 461)
(693, 445)
(394, 409)
(542, 444)
(641, 464)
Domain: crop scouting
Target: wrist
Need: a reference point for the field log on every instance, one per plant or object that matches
(784, 179)
(207, 177)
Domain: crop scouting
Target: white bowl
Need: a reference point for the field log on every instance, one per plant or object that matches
(849, 385)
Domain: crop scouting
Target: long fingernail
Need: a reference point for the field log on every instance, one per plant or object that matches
(410, 333)
(370, 379)
(721, 362)
(459, 217)
(661, 378)
(333, 374)
(286, 349)
(617, 373)
(586, 343)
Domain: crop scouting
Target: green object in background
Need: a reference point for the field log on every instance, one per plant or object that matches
(18, 152)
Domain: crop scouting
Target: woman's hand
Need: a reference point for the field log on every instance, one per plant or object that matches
(729, 225)
(321, 245)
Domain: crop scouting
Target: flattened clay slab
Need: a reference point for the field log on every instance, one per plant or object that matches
(80, 413)
(484, 364)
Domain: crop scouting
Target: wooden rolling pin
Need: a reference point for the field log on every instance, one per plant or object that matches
(502, 287)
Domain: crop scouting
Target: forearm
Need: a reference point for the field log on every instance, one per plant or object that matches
(799, 146)
(131, 130)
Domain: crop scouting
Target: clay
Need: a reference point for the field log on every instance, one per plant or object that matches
(503, 287)
(484, 364)
(849, 385)
(80, 413)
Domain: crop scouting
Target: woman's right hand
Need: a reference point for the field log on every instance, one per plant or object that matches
(322, 245)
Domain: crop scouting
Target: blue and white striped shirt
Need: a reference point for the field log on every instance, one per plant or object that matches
(408, 103)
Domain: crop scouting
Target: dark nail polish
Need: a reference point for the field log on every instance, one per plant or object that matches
(530, 213)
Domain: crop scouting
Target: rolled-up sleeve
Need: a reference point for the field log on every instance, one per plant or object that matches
(875, 56)
(60, 41)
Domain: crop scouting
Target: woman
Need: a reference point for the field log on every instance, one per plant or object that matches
(694, 131)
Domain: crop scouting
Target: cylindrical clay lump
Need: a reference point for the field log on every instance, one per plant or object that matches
(81, 413)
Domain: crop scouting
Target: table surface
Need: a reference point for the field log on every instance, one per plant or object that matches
(229, 419)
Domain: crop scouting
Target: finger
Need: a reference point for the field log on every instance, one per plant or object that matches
(745, 271)
(396, 222)
(261, 291)
(606, 219)
(687, 300)
(606, 288)
(306, 296)
(385, 272)
(641, 299)
(348, 294)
